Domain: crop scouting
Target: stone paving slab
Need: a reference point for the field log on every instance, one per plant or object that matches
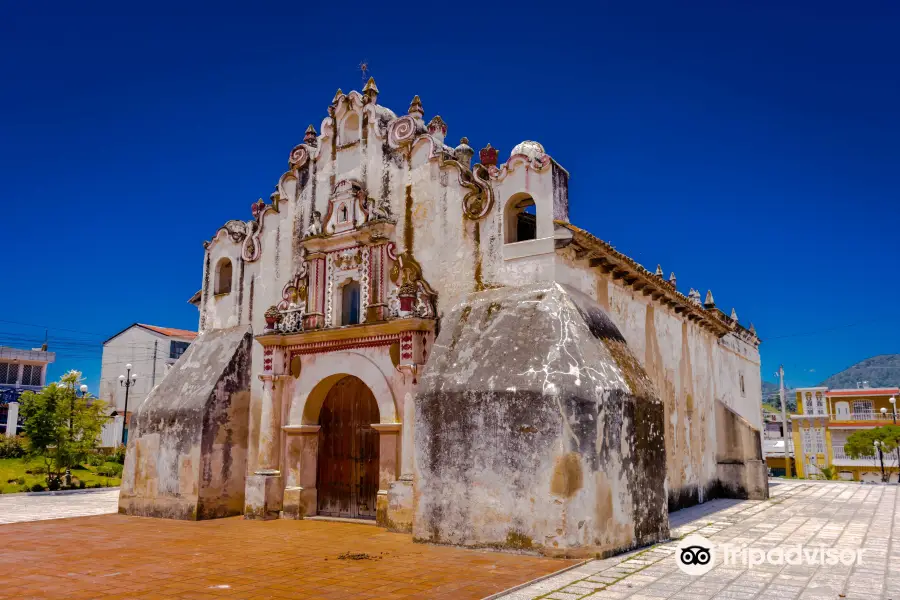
(119, 556)
(17, 508)
(816, 514)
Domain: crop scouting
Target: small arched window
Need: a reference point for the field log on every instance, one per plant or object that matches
(350, 129)
(350, 304)
(223, 277)
(343, 214)
(520, 219)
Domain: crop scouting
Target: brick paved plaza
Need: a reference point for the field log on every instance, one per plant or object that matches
(114, 556)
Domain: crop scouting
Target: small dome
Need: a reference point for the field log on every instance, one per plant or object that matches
(530, 149)
(464, 146)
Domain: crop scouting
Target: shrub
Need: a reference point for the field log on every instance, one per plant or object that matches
(20, 481)
(37, 488)
(81, 485)
(118, 455)
(110, 470)
(13, 447)
(96, 459)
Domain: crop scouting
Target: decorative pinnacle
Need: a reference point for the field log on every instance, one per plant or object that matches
(464, 140)
(709, 302)
(370, 87)
(415, 107)
(752, 329)
(337, 96)
(310, 136)
(672, 279)
(734, 315)
(659, 271)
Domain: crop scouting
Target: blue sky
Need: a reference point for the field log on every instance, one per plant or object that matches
(752, 148)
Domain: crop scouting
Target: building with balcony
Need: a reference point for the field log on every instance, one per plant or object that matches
(827, 417)
(20, 371)
(151, 351)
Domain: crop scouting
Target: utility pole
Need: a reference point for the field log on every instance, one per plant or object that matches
(784, 423)
(153, 377)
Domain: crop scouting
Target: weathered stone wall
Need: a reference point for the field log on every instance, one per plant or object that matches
(537, 428)
(740, 468)
(187, 449)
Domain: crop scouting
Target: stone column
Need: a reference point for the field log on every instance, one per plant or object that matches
(377, 308)
(12, 418)
(315, 301)
(263, 492)
(300, 494)
(393, 508)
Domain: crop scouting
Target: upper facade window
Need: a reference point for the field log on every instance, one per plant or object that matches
(223, 277)
(350, 304)
(9, 373)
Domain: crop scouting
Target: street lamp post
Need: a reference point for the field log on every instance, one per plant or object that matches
(126, 381)
(881, 458)
(893, 401)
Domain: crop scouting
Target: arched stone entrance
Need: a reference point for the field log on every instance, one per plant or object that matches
(348, 451)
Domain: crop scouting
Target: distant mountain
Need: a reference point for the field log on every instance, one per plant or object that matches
(878, 371)
(770, 396)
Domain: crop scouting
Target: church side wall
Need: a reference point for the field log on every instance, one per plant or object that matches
(690, 367)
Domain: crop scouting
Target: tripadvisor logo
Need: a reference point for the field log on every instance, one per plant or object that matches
(695, 555)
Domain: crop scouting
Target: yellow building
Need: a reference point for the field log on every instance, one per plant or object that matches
(828, 417)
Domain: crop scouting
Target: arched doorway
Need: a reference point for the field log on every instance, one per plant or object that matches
(347, 470)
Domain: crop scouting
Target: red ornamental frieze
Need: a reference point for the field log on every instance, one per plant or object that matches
(349, 344)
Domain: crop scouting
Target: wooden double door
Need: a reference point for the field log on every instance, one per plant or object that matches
(347, 470)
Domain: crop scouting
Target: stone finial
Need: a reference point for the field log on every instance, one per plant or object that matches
(415, 108)
(709, 302)
(672, 280)
(464, 152)
(488, 156)
(337, 96)
(752, 329)
(311, 137)
(371, 89)
(659, 271)
(437, 128)
(734, 315)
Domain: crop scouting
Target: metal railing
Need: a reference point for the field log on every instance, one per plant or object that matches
(862, 416)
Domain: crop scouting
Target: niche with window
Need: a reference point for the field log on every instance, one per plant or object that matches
(520, 219)
(223, 277)
(350, 129)
(350, 303)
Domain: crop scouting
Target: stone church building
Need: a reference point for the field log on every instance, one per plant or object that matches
(401, 335)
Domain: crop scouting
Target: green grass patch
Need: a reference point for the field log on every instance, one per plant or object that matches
(14, 477)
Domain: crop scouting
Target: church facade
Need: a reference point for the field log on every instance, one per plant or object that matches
(402, 335)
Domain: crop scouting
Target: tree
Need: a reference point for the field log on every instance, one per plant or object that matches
(878, 443)
(62, 427)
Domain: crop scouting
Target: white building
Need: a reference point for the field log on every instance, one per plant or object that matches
(151, 351)
(20, 371)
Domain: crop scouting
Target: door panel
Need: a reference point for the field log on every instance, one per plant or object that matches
(347, 474)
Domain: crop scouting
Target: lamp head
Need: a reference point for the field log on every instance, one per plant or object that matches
(128, 366)
(84, 389)
(121, 378)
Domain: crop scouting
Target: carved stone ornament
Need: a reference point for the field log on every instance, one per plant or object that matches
(315, 228)
(402, 131)
(299, 157)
